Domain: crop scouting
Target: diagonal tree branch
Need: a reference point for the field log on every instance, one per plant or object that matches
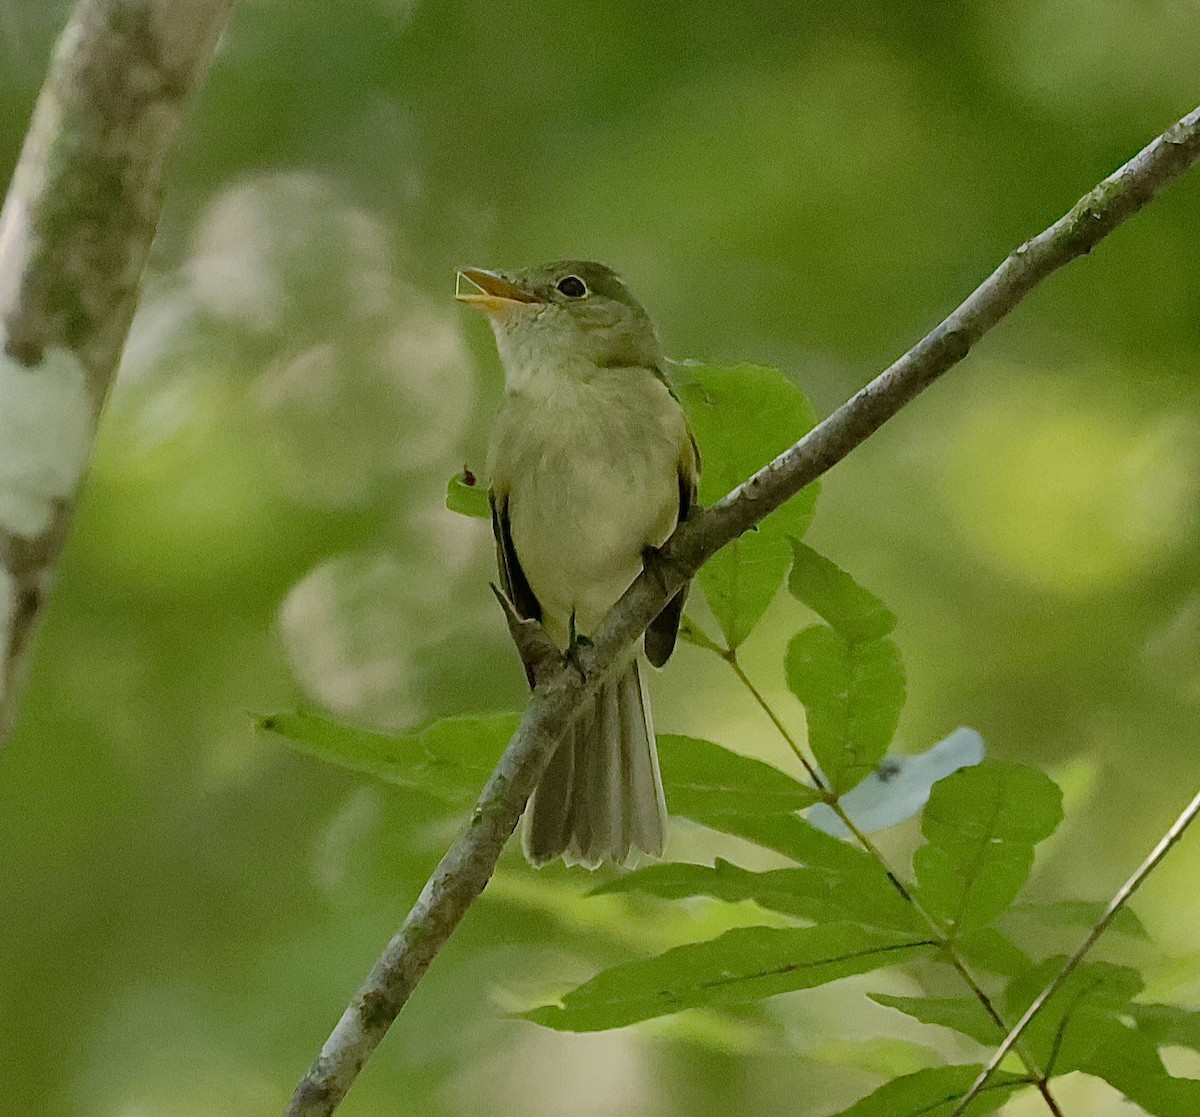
(470, 861)
(76, 228)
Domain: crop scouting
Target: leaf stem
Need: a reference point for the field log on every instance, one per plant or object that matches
(730, 657)
(944, 941)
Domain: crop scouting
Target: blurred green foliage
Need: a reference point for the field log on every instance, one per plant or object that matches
(185, 907)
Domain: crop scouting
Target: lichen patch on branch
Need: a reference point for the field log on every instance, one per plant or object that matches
(45, 431)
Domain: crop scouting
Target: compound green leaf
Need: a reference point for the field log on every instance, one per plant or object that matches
(934, 1092)
(811, 892)
(1075, 1020)
(449, 759)
(741, 966)
(743, 416)
(831, 593)
(1128, 1061)
(1083, 913)
(981, 824)
(962, 1014)
(708, 783)
(852, 695)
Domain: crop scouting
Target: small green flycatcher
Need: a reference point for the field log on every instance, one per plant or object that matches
(591, 463)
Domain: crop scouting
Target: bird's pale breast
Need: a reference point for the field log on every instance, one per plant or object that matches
(591, 472)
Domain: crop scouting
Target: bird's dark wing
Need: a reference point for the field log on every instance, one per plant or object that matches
(660, 636)
(512, 577)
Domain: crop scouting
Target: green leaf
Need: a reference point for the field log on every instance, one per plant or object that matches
(981, 824)
(740, 966)
(1128, 1061)
(934, 1092)
(882, 1056)
(467, 497)
(831, 593)
(852, 695)
(811, 892)
(876, 699)
(1083, 913)
(708, 783)
(797, 838)
(742, 416)
(848, 674)
(805, 893)
(1168, 1025)
(690, 631)
(450, 758)
(990, 950)
(817, 666)
(1073, 1022)
(963, 1014)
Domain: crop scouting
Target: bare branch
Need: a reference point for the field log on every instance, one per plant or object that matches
(468, 865)
(76, 228)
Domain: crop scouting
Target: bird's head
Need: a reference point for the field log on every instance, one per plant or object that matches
(561, 312)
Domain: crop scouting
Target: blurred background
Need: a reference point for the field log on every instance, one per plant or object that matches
(185, 907)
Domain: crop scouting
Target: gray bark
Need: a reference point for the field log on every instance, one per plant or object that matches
(75, 231)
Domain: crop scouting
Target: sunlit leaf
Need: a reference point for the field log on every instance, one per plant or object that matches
(708, 783)
(988, 949)
(852, 695)
(1168, 1025)
(467, 497)
(743, 416)
(1083, 913)
(879, 1055)
(817, 665)
(690, 631)
(1129, 1062)
(450, 758)
(934, 1092)
(962, 1014)
(810, 892)
(900, 786)
(1073, 1022)
(831, 593)
(740, 966)
(981, 825)
(876, 698)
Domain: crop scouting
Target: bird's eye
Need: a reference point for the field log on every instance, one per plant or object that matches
(572, 286)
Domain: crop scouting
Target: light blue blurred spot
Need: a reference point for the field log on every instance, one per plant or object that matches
(900, 786)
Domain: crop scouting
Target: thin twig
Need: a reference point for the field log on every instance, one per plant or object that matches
(466, 867)
(1038, 1078)
(1186, 818)
(730, 657)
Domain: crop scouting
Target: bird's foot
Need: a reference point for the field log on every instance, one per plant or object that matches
(655, 565)
(538, 653)
(577, 647)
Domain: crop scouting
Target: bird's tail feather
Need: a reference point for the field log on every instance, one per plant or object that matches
(601, 796)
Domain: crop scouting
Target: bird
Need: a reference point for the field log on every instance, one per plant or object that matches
(591, 465)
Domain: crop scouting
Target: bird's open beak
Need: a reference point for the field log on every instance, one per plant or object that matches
(488, 291)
